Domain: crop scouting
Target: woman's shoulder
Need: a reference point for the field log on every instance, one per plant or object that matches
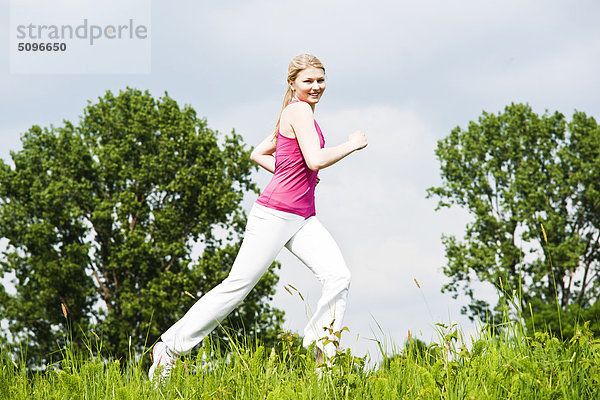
(292, 114)
(297, 109)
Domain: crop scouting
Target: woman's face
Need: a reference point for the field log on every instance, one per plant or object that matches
(309, 85)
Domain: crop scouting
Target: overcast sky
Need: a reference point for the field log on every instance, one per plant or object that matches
(404, 72)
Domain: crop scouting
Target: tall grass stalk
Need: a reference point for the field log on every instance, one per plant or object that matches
(553, 279)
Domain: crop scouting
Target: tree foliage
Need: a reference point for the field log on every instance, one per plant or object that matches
(532, 185)
(102, 217)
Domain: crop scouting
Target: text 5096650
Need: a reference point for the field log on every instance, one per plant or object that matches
(44, 46)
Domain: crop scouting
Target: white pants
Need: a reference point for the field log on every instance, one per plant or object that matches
(267, 232)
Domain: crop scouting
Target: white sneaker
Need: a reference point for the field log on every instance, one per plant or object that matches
(162, 357)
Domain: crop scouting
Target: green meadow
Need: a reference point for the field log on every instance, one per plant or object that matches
(499, 363)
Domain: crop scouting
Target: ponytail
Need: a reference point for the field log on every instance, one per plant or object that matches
(287, 99)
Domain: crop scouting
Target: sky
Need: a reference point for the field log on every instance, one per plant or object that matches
(404, 72)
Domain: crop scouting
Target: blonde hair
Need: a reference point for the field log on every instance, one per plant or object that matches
(298, 64)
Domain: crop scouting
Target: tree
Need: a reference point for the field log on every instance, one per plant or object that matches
(532, 185)
(102, 218)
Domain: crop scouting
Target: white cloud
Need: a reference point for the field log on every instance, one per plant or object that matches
(568, 69)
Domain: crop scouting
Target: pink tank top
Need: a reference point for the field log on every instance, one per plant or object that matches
(292, 187)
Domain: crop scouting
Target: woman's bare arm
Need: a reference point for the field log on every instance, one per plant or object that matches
(263, 154)
(300, 116)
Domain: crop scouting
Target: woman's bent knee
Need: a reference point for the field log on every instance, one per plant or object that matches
(347, 277)
(342, 279)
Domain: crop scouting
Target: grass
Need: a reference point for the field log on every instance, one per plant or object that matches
(501, 362)
(505, 365)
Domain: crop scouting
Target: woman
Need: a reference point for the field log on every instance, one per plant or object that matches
(284, 215)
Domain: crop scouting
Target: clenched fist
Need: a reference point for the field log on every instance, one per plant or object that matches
(358, 139)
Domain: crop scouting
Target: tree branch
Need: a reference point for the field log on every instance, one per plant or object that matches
(104, 292)
(183, 238)
(587, 262)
